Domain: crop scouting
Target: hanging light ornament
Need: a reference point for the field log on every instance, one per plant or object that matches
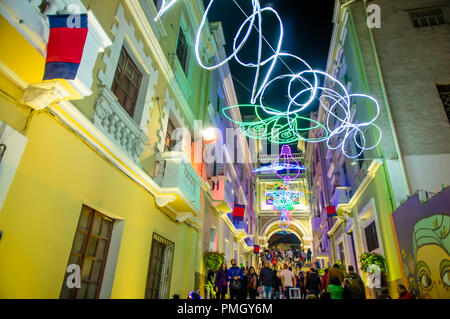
(287, 195)
(284, 220)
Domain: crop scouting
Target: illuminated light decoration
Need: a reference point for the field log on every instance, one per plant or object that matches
(165, 5)
(279, 167)
(284, 127)
(285, 198)
(276, 129)
(284, 220)
(286, 156)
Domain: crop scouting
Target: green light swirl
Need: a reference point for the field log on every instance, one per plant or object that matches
(276, 128)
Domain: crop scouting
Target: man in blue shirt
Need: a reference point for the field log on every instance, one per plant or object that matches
(234, 277)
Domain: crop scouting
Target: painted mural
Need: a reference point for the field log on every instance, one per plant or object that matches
(423, 244)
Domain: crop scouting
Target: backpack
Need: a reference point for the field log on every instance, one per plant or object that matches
(355, 289)
(235, 284)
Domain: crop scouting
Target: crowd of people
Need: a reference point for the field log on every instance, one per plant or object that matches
(275, 279)
(296, 257)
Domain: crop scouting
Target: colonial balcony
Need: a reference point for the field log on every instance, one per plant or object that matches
(180, 185)
(342, 195)
(28, 18)
(219, 188)
(237, 227)
(112, 119)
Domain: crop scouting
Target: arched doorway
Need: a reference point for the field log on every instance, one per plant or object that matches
(284, 240)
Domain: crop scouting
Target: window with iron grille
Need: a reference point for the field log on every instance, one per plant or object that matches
(371, 237)
(427, 17)
(170, 143)
(444, 93)
(89, 251)
(160, 268)
(182, 50)
(127, 81)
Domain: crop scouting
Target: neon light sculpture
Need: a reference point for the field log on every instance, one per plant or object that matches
(284, 220)
(285, 124)
(285, 197)
(279, 167)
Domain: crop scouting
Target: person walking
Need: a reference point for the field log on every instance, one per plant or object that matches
(287, 280)
(274, 260)
(403, 293)
(353, 285)
(220, 282)
(323, 286)
(335, 271)
(276, 285)
(253, 282)
(234, 277)
(266, 280)
(335, 288)
(313, 282)
(308, 256)
(290, 256)
(301, 279)
(303, 256)
(244, 284)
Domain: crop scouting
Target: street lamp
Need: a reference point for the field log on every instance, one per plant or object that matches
(209, 135)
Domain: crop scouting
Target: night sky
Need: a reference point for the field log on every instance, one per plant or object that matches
(307, 29)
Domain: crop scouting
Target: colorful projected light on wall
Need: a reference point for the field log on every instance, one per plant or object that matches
(289, 122)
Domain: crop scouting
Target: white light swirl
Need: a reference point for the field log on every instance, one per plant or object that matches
(342, 131)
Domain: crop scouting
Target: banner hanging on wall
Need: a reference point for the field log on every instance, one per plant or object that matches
(68, 33)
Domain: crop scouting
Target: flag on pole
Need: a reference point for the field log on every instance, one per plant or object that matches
(68, 33)
(256, 249)
(331, 211)
(238, 212)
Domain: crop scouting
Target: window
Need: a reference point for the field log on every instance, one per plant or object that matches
(213, 240)
(170, 143)
(160, 268)
(444, 93)
(427, 17)
(89, 251)
(127, 81)
(371, 237)
(182, 50)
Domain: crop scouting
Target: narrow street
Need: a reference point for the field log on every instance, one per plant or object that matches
(228, 150)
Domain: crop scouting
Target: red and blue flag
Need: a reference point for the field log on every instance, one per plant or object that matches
(331, 211)
(65, 46)
(238, 212)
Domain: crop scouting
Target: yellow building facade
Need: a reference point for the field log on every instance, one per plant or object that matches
(84, 180)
